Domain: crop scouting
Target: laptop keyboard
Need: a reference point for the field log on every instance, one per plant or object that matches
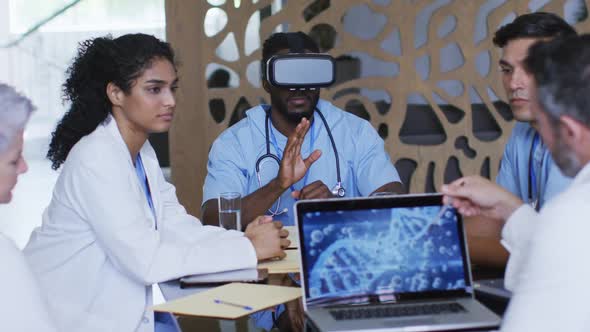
(386, 311)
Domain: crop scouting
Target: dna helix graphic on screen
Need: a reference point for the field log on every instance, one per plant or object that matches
(382, 251)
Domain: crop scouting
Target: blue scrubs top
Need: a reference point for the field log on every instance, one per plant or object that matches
(142, 177)
(364, 164)
(515, 171)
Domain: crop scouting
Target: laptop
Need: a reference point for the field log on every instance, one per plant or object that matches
(396, 263)
(492, 287)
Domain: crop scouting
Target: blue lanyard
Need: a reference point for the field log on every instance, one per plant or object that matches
(280, 152)
(140, 170)
(533, 175)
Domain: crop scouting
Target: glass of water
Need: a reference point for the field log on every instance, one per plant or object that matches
(230, 210)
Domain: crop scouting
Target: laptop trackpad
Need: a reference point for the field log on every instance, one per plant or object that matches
(409, 322)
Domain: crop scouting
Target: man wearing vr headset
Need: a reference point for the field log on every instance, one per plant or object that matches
(299, 147)
(287, 150)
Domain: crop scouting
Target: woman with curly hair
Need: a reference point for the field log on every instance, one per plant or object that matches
(23, 307)
(114, 225)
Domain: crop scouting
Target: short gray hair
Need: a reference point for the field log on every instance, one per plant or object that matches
(561, 68)
(15, 110)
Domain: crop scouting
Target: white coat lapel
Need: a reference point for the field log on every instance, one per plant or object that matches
(128, 167)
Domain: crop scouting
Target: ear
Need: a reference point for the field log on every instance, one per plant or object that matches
(572, 131)
(115, 94)
(266, 85)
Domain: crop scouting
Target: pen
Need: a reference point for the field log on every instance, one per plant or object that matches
(245, 307)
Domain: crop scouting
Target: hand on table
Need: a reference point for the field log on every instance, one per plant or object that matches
(316, 189)
(268, 238)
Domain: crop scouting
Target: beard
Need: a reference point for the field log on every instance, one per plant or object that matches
(294, 117)
(565, 158)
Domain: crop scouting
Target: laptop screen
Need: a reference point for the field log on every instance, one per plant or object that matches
(381, 250)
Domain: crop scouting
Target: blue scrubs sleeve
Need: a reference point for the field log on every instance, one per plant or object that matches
(374, 167)
(226, 171)
(508, 176)
(514, 171)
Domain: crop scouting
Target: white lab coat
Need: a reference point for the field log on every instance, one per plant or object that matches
(548, 270)
(97, 252)
(22, 306)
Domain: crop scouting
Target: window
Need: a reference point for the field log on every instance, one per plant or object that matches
(87, 15)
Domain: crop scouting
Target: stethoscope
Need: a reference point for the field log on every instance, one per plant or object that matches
(338, 190)
(533, 184)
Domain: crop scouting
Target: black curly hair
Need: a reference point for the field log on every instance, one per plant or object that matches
(99, 62)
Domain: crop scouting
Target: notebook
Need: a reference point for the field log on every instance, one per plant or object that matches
(289, 264)
(396, 263)
(222, 278)
(231, 301)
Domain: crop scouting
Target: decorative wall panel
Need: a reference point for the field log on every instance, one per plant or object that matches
(424, 73)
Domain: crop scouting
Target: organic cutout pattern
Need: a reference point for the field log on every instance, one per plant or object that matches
(440, 110)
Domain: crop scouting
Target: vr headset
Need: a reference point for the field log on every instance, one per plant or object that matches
(300, 71)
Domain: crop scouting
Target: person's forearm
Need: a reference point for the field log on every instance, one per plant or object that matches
(258, 202)
(391, 187)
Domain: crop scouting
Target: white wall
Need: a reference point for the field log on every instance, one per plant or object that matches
(36, 68)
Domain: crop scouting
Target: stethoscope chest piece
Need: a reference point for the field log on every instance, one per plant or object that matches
(338, 190)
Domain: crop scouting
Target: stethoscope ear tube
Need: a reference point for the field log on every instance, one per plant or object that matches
(340, 191)
(534, 190)
(261, 159)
